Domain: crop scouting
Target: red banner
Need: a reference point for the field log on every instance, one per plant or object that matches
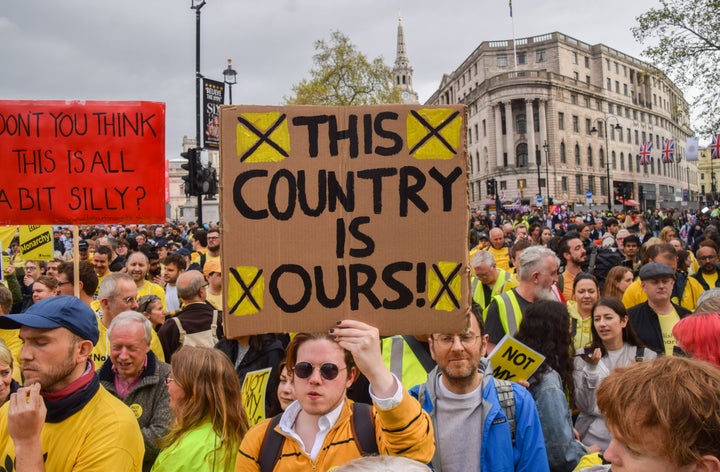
(72, 162)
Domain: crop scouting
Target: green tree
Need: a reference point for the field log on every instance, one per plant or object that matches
(342, 75)
(683, 39)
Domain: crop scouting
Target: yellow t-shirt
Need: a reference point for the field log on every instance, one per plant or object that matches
(150, 288)
(568, 285)
(711, 279)
(667, 322)
(215, 300)
(13, 342)
(583, 327)
(501, 256)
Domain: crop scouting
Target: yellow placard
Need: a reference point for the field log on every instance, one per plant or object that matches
(7, 233)
(254, 389)
(513, 360)
(36, 242)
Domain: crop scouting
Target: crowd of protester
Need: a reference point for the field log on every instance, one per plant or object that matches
(600, 296)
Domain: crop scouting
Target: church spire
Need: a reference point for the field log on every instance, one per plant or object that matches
(402, 70)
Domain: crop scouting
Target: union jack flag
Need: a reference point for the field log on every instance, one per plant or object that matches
(715, 146)
(668, 151)
(644, 154)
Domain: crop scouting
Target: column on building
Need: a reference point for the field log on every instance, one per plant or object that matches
(530, 130)
(498, 137)
(544, 139)
(509, 138)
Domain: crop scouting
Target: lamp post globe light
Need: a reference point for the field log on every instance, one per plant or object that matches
(594, 130)
(230, 78)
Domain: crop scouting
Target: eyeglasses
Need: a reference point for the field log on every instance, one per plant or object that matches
(212, 238)
(128, 300)
(448, 340)
(707, 258)
(328, 370)
(60, 284)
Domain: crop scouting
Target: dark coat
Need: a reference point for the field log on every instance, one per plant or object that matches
(646, 324)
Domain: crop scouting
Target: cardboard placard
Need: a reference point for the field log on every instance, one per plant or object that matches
(36, 242)
(254, 388)
(513, 360)
(334, 213)
(81, 162)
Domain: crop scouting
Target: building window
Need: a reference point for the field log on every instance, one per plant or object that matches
(577, 154)
(521, 58)
(588, 126)
(620, 135)
(601, 155)
(579, 185)
(610, 107)
(590, 157)
(563, 155)
(521, 123)
(617, 86)
(561, 120)
(587, 102)
(587, 62)
(576, 124)
(622, 161)
(574, 57)
(587, 79)
(609, 84)
(591, 183)
(603, 186)
(629, 136)
(522, 155)
(484, 128)
(625, 89)
(502, 60)
(637, 141)
(576, 76)
(617, 68)
(573, 98)
(607, 64)
(540, 55)
(564, 184)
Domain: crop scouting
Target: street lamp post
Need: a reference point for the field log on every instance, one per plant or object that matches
(537, 163)
(197, 6)
(230, 78)
(616, 127)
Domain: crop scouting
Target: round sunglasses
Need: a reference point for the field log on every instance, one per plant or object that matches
(328, 370)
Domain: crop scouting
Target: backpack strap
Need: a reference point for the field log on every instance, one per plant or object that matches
(574, 325)
(271, 446)
(506, 397)
(593, 257)
(363, 428)
(214, 326)
(181, 340)
(639, 353)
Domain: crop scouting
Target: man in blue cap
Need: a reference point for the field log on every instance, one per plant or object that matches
(63, 419)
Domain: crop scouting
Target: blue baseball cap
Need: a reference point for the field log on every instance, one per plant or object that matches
(57, 312)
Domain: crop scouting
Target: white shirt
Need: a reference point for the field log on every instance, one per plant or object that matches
(327, 421)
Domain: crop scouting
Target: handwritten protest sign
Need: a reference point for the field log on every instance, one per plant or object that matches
(344, 212)
(254, 388)
(81, 162)
(36, 242)
(513, 360)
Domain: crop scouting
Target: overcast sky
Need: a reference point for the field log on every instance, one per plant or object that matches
(145, 50)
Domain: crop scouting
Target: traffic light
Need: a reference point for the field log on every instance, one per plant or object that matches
(490, 184)
(202, 180)
(192, 166)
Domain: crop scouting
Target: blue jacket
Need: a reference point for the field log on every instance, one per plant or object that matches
(497, 453)
(563, 451)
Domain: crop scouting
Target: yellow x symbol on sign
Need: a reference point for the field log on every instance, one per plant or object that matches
(246, 288)
(434, 133)
(262, 137)
(444, 286)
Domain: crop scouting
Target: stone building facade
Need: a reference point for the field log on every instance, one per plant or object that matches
(538, 112)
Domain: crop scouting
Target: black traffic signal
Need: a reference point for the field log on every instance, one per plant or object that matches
(193, 167)
(202, 180)
(490, 186)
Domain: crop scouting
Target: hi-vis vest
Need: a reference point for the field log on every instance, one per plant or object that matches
(508, 311)
(500, 286)
(407, 365)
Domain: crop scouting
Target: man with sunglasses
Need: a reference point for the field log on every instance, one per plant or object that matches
(480, 423)
(318, 431)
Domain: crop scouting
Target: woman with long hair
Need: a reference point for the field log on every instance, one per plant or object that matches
(152, 308)
(617, 281)
(552, 382)
(586, 291)
(209, 420)
(614, 344)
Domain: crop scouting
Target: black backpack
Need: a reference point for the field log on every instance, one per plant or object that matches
(601, 260)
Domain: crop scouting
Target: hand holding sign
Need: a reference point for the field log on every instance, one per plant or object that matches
(363, 342)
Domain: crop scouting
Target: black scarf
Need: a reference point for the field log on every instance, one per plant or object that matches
(59, 410)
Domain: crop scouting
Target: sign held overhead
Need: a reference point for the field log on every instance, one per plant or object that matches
(344, 212)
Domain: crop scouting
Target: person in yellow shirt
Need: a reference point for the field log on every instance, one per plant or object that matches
(213, 274)
(499, 250)
(137, 266)
(654, 319)
(685, 291)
